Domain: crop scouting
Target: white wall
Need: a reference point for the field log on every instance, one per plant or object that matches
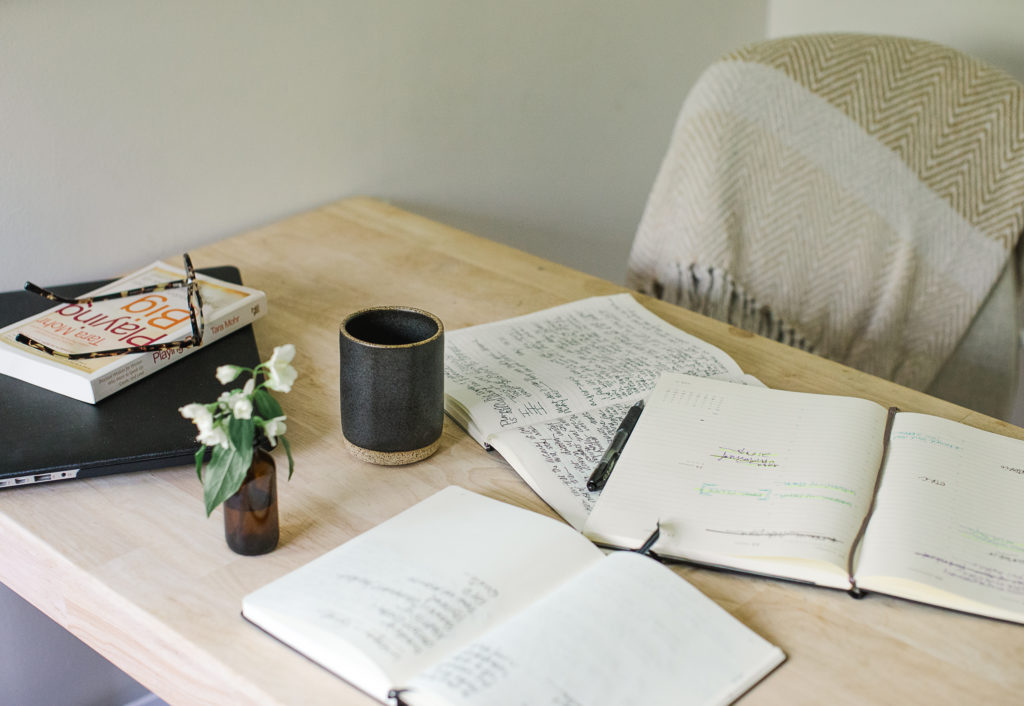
(134, 130)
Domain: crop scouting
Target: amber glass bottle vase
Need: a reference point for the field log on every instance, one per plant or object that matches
(250, 515)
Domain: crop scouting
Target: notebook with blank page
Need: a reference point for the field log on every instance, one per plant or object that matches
(45, 436)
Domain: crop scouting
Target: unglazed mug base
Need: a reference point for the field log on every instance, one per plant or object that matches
(392, 458)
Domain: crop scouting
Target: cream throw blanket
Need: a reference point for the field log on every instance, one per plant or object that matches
(853, 195)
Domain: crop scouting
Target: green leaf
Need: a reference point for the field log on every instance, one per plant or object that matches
(288, 450)
(222, 478)
(200, 455)
(228, 466)
(241, 433)
(266, 405)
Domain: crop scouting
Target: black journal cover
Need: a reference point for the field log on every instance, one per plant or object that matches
(46, 436)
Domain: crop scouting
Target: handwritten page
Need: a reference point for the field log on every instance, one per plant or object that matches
(386, 604)
(625, 631)
(567, 359)
(558, 456)
(949, 517)
(745, 476)
(547, 390)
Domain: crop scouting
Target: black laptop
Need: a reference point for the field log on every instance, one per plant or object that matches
(45, 436)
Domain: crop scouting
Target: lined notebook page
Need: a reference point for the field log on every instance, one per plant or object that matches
(566, 359)
(950, 514)
(557, 457)
(385, 604)
(736, 471)
(626, 631)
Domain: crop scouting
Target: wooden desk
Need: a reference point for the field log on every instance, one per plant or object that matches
(132, 566)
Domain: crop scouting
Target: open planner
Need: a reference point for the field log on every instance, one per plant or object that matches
(836, 491)
(462, 600)
(547, 390)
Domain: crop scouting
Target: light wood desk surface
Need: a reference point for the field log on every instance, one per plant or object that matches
(132, 566)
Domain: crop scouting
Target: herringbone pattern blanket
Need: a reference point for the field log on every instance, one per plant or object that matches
(853, 195)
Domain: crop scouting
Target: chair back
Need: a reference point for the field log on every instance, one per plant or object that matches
(857, 196)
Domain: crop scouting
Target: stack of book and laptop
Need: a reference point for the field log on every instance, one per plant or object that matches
(70, 410)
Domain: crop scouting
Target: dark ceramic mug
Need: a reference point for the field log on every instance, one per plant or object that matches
(392, 384)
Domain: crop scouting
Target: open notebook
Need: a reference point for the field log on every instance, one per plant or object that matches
(463, 600)
(835, 491)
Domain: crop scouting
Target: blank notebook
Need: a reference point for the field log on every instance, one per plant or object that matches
(45, 436)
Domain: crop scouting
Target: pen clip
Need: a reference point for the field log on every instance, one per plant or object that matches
(645, 548)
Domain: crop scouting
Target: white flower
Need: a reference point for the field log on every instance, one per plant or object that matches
(241, 407)
(273, 428)
(209, 433)
(213, 436)
(198, 413)
(280, 373)
(227, 373)
(239, 401)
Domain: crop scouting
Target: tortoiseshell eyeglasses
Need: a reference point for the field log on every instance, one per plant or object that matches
(195, 313)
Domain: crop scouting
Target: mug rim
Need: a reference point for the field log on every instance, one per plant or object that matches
(343, 327)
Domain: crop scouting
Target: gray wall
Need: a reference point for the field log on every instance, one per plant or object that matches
(134, 130)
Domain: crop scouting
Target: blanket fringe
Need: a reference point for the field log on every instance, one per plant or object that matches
(711, 291)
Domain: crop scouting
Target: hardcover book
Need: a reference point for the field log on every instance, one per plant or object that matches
(142, 319)
(831, 490)
(464, 600)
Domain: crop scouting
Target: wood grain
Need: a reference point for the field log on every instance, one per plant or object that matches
(132, 566)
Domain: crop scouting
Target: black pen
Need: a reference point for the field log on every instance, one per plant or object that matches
(604, 467)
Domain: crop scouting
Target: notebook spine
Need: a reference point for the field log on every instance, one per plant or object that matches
(854, 590)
